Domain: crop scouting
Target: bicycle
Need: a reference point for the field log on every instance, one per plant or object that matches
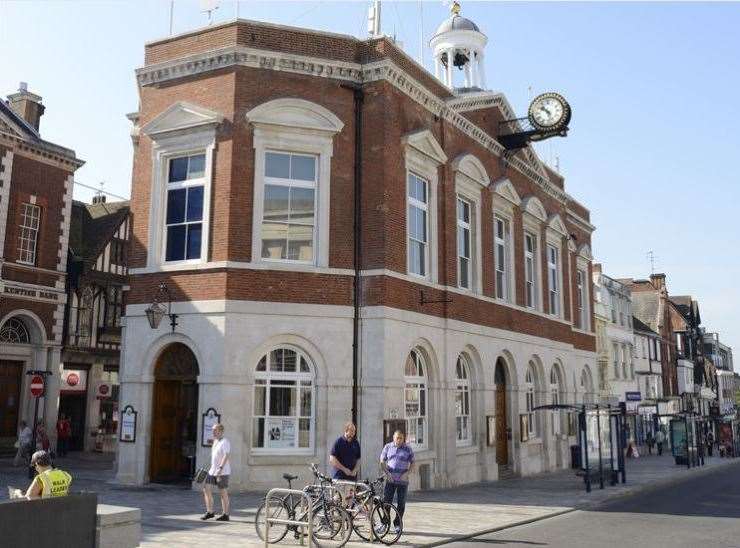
(373, 519)
(331, 523)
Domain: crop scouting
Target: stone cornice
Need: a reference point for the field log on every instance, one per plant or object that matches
(40, 151)
(579, 221)
(359, 73)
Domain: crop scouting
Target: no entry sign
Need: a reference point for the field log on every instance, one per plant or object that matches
(37, 385)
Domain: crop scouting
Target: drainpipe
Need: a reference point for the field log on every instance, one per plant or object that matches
(358, 102)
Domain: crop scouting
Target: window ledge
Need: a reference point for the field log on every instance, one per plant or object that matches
(424, 455)
(467, 449)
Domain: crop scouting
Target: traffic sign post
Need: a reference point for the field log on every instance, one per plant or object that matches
(37, 387)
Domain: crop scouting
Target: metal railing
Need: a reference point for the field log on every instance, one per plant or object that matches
(269, 520)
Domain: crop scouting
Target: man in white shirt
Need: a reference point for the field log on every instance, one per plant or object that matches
(218, 475)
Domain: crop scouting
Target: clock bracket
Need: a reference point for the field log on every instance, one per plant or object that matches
(519, 132)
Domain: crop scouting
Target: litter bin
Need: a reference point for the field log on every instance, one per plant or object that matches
(575, 456)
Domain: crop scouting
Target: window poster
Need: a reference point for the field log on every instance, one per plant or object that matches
(280, 433)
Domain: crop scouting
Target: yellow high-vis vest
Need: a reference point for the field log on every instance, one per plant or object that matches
(55, 483)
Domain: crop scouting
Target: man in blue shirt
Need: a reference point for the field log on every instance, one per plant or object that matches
(397, 461)
(345, 454)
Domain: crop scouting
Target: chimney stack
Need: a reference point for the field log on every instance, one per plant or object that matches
(658, 281)
(27, 105)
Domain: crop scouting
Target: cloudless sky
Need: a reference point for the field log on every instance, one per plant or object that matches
(653, 148)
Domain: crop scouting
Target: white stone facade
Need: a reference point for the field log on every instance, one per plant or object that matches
(228, 339)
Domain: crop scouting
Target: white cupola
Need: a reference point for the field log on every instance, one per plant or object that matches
(459, 43)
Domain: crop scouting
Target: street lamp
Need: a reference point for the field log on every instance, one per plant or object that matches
(155, 312)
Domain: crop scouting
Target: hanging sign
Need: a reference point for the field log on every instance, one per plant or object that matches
(210, 419)
(280, 433)
(74, 380)
(128, 424)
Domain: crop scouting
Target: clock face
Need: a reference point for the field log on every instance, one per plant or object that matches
(549, 111)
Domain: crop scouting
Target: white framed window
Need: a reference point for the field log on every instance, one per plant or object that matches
(293, 146)
(585, 386)
(502, 258)
(632, 361)
(289, 207)
(623, 353)
(415, 400)
(553, 279)
(555, 396)
(462, 401)
(615, 351)
(28, 233)
(530, 401)
(464, 243)
(184, 212)
(530, 270)
(418, 224)
(581, 299)
(283, 411)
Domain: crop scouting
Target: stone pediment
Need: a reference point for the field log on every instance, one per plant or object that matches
(182, 116)
(471, 167)
(295, 113)
(585, 252)
(534, 207)
(506, 190)
(424, 142)
(556, 223)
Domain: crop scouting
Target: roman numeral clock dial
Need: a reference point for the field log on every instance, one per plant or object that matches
(549, 112)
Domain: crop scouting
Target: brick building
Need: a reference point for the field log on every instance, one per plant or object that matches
(341, 235)
(36, 179)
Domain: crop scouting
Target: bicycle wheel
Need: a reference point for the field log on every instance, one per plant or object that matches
(361, 520)
(387, 524)
(331, 524)
(274, 508)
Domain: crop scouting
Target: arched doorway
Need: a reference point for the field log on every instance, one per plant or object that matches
(502, 421)
(174, 415)
(13, 333)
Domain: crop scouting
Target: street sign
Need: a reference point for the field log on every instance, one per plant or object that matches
(633, 396)
(37, 386)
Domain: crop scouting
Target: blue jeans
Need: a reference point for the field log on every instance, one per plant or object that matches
(400, 490)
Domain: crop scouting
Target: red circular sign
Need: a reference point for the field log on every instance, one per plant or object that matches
(73, 379)
(103, 389)
(37, 385)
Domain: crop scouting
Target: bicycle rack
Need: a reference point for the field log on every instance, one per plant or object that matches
(269, 520)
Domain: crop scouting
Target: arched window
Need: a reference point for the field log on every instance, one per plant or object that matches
(586, 387)
(415, 399)
(462, 400)
(529, 395)
(14, 331)
(283, 402)
(555, 389)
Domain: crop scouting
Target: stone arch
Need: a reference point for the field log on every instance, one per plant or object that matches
(34, 325)
(538, 367)
(316, 358)
(434, 371)
(476, 365)
(160, 344)
(505, 360)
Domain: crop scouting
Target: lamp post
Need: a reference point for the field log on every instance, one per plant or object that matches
(155, 312)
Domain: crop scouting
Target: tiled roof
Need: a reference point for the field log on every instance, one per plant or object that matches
(637, 325)
(93, 225)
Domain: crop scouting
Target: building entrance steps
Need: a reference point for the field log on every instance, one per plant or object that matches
(169, 517)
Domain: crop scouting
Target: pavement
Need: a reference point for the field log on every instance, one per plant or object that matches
(170, 513)
(701, 511)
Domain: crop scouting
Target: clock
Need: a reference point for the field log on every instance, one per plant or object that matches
(549, 112)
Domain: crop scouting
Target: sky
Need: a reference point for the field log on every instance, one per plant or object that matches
(653, 88)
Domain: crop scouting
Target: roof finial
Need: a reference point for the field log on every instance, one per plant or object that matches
(455, 8)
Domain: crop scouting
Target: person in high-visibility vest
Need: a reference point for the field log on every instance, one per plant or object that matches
(48, 482)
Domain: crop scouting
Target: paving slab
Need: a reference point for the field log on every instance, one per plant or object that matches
(170, 515)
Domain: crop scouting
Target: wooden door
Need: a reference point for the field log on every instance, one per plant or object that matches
(10, 392)
(166, 450)
(502, 438)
